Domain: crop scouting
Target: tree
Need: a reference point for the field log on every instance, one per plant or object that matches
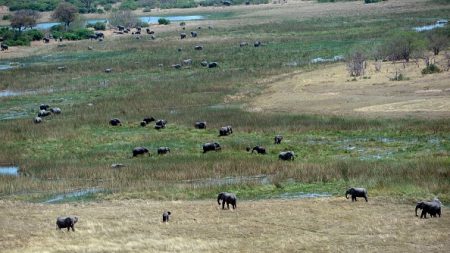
(437, 42)
(24, 18)
(66, 13)
(124, 18)
(404, 46)
(356, 63)
(87, 3)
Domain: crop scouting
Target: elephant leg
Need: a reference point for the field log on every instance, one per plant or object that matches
(228, 205)
(68, 228)
(223, 204)
(365, 198)
(424, 214)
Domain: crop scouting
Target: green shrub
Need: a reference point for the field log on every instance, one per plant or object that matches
(147, 9)
(97, 26)
(6, 17)
(100, 11)
(163, 21)
(77, 34)
(34, 34)
(372, 1)
(107, 7)
(431, 69)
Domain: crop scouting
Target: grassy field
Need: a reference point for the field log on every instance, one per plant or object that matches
(344, 133)
(313, 225)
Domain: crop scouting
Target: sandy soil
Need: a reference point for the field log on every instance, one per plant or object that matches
(330, 90)
(312, 225)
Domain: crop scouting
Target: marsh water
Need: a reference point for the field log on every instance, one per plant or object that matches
(72, 195)
(146, 19)
(9, 171)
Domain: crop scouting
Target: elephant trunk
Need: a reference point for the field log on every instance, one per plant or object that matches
(218, 199)
(417, 207)
(346, 194)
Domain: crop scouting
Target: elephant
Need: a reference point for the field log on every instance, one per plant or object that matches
(211, 146)
(257, 43)
(198, 47)
(108, 70)
(194, 34)
(148, 119)
(161, 122)
(226, 3)
(143, 123)
(115, 122)
(99, 35)
(182, 35)
(432, 207)
(243, 44)
(66, 222)
(4, 47)
(278, 138)
(187, 62)
(44, 113)
(44, 107)
(37, 120)
(200, 124)
(149, 31)
(204, 63)
(356, 192)
(228, 198)
(166, 216)
(226, 130)
(120, 27)
(213, 65)
(163, 150)
(56, 110)
(176, 66)
(140, 151)
(286, 155)
(258, 149)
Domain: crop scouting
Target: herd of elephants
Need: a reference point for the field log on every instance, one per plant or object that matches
(433, 208)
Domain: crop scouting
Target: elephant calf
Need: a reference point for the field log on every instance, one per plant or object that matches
(258, 149)
(278, 139)
(432, 207)
(228, 198)
(200, 124)
(286, 155)
(66, 222)
(226, 130)
(166, 216)
(356, 192)
(163, 150)
(115, 122)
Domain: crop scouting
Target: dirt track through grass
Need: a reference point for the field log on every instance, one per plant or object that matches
(311, 225)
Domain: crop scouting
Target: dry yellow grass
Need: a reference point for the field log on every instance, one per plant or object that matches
(313, 225)
(330, 90)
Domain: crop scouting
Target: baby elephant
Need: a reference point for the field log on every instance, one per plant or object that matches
(356, 192)
(163, 150)
(166, 216)
(66, 222)
(228, 198)
(431, 207)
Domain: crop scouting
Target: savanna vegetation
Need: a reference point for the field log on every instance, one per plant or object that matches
(405, 158)
(400, 158)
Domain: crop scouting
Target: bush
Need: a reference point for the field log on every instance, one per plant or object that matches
(6, 17)
(97, 26)
(34, 34)
(372, 1)
(77, 34)
(431, 69)
(100, 11)
(163, 21)
(147, 9)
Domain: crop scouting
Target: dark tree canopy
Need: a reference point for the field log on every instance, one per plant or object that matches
(24, 18)
(66, 13)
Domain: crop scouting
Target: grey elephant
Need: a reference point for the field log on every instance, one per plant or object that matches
(115, 122)
(356, 192)
(431, 207)
(286, 155)
(226, 130)
(258, 149)
(166, 216)
(200, 124)
(211, 147)
(161, 122)
(44, 113)
(228, 198)
(278, 138)
(182, 35)
(44, 107)
(213, 65)
(163, 150)
(66, 222)
(140, 151)
(37, 120)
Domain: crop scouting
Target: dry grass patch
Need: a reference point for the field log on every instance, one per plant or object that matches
(330, 90)
(329, 224)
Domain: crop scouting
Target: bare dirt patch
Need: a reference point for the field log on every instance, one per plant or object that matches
(313, 225)
(330, 90)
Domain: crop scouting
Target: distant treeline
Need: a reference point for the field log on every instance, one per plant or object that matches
(90, 6)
